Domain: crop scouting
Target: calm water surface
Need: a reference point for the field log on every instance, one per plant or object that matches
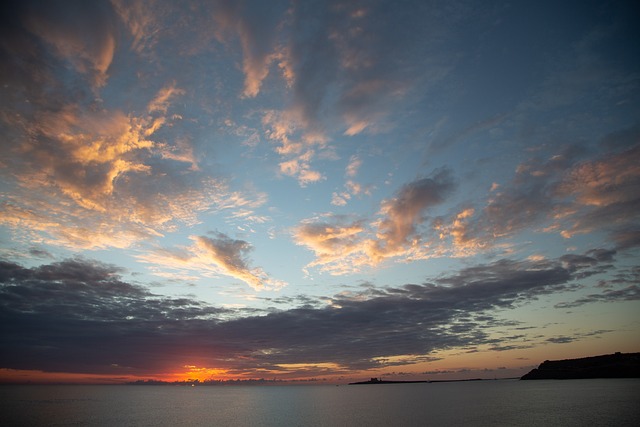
(603, 402)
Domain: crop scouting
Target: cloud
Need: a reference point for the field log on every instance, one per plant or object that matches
(52, 224)
(141, 18)
(563, 194)
(528, 200)
(300, 168)
(626, 238)
(256, 24)
(462, 242)
(336, 244)
(87, 166)
(340, 199)
(219, 254)
(440, 144)
(85, 176)
(83, 35)
(83, 173)
(296, 146)
(605, 189)
(344, 77)
(230, 255)
(629, 293)
(80, 316)
(561, 340)
(354, 164)
(160, 103)
(341, 246)
(352, 188)
(334, 76)
(403, 213)
(92, 150)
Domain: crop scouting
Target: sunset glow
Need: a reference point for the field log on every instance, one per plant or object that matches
(316, 191)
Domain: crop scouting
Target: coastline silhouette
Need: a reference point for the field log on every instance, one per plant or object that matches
(617, 365)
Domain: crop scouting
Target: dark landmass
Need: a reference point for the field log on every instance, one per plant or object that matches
(379, 381)
(618, 365)
(211, 382)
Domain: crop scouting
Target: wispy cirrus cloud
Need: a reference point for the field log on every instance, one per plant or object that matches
(142, 18)
(339, 83)
(216, 255)
(256, 24)
(86, 38)
(344, 79)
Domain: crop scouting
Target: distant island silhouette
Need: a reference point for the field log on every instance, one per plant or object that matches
(379, 381)
(617, 365)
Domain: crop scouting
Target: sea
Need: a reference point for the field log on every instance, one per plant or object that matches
(592, 402)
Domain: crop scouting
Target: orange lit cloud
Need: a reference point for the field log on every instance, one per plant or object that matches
(217, 255)
(76, 229)
(338, 247)
(560, 195)
(88, 44)
(403, 213)
(140, 18)
(604, 182)
(540, 193)
(462, 242)
(362, 109)
(605, 190)
(257, 29)
(19, 376)
(354, 164)
(93, 150)
(296, 146)
(352, 188)
(341, 248)
(97, 183)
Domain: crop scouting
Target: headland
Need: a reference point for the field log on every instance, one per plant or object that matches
(617, 365)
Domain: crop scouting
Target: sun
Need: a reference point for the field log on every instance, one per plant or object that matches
(192, 373)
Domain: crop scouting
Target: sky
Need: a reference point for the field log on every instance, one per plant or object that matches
(316, 190)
